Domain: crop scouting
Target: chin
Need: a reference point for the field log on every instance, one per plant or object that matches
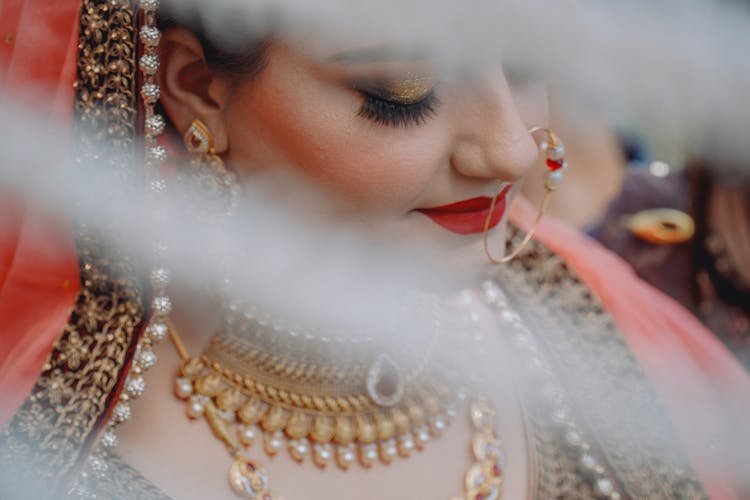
(459, 254)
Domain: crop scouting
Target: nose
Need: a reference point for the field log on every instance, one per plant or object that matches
(491, 139)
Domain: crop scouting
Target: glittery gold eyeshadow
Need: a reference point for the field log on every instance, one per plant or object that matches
(410, 90)
(398, 103)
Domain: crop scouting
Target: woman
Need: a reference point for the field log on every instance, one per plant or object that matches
(336, 119)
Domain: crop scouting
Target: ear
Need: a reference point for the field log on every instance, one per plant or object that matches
(190, 89)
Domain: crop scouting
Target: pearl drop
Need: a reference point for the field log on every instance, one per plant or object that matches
(555, 178)
(323, 452)
(247, 434)
(406, 442)
(183, 388)
(195, 408)
(438, 424)
(276, 442)
(451, 411)
(557, 153)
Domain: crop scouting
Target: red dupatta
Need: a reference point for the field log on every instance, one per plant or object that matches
(38, 263)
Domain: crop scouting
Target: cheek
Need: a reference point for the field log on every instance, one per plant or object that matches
(313, 128)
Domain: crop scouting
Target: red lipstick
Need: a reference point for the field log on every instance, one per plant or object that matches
(469, 216)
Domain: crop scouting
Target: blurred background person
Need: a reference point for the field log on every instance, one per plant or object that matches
(687, 232)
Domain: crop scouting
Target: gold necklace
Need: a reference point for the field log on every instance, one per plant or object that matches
(308, 409)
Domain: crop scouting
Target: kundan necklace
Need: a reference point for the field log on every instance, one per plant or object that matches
(257, 382)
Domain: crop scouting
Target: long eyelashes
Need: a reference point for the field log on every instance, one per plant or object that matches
(394, 114)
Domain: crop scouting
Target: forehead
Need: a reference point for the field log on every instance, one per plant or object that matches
(323, 30)
(347, 48)
(337, 56)
(393, 51)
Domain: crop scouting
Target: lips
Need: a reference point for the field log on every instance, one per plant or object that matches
(469, 216)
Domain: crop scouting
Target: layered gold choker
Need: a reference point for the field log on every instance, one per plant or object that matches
(362, 410)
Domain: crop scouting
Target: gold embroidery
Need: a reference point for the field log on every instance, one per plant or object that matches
(645, 461)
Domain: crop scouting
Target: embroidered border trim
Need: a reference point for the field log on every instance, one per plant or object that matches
(52, 432)
(593, 362)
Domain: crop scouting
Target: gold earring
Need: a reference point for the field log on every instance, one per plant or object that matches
(209, 179)
(554, 151)
(199, 140)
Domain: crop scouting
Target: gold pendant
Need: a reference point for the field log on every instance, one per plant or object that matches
(249, 480)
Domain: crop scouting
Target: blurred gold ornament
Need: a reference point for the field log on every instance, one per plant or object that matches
(663, 226)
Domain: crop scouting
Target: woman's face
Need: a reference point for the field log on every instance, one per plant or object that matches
(397, 142)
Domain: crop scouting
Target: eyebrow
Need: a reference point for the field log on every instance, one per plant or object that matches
(385, 53)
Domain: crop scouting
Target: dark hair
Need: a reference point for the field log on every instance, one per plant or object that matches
(233, 52)
(242, 59)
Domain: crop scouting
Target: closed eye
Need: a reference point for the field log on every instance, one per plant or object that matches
(386, 111)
